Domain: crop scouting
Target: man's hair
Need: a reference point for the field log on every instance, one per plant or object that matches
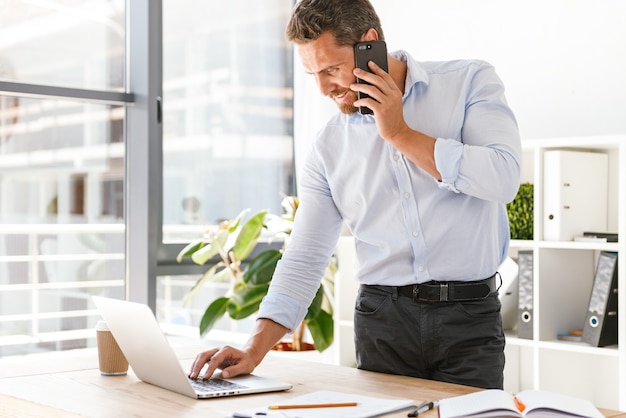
(346, 20)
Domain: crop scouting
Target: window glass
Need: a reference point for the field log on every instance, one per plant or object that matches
(227, 133)
(67, 43)
(176, 318)
(228, 125)
(61, 220)
(61, 172)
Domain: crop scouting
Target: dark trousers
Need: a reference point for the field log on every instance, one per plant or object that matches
(456, 342)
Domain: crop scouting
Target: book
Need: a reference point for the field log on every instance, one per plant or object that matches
(528, 403)
(366, 406)
(600, 326)
(596, 240)
(609, 236)
(575, 193)
(564, 336)
(571, 335)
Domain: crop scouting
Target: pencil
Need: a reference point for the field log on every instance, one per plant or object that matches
(316, 405)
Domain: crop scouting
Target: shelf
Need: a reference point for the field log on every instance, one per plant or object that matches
(563, 274)
(558, 345)
(513, 339)
(576, 142)
(569, 245)
(575, 347)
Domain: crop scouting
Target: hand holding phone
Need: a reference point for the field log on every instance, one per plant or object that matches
(365, 52)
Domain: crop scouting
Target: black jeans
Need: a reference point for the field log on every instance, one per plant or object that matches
(456, 342)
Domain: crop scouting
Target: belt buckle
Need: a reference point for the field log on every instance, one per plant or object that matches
(443, 292)
(416, 291)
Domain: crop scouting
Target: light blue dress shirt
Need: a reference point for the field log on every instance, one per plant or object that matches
(408, 227)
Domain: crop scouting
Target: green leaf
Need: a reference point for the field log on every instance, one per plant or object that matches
(316, 305)
(234, 224)
(246, 300)
(261, 268)
(210, 275)
(322, 329)
(520, 213)
(207, 252)
(249, 235)
(240, 312)
(213, 313)
(189, 249)
(220, 276)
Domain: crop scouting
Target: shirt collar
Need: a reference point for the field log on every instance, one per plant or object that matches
(415, 71)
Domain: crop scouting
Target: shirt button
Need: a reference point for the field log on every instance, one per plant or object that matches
(407, 195)
(415, 233)
(420, 269)
(396, 157)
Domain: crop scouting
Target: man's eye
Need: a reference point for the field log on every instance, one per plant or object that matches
(331, 71)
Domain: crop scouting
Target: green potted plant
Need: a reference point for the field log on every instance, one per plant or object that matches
(231, 244)
(521, 212)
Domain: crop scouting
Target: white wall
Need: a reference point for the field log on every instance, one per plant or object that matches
(563, 61)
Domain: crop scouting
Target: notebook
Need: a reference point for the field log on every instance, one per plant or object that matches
(366, 406)
(153, 360)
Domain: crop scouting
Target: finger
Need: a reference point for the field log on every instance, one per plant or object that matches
(235, 369)
(376, 69)
(375, 96)
(383, 81)
(218, 360)
(386, 83)
(368, 102)
(368, 89)
(199, 362)
(225, 358)
(366, 76)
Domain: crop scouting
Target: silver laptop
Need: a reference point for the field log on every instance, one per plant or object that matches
(153, 360)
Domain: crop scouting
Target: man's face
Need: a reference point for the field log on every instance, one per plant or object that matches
(332, 67)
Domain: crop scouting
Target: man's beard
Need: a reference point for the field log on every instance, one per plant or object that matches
(346, 107)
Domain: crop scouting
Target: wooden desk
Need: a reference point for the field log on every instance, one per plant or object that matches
(33, 390)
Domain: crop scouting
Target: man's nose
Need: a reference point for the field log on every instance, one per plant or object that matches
(325, 85)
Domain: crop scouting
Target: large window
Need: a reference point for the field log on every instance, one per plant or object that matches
(126, 128)
(61, 169)
(227, 90)
(227, 127)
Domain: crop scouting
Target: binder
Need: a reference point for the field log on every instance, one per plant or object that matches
(600, 327)
(575, 194)
(508, 293)
(525, 316)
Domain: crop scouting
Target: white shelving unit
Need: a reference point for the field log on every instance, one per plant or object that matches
(346, 288)
(563, 278)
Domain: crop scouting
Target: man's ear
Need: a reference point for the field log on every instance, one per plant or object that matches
(370, 35)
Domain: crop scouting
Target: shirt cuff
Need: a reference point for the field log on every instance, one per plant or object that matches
(283, 310)
(448, 154)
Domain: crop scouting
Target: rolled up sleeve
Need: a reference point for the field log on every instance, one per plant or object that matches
(448, 155)
(283, 310)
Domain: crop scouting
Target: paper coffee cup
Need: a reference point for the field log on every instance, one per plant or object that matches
(111, 360)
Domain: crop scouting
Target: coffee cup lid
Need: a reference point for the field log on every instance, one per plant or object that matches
(102, 326)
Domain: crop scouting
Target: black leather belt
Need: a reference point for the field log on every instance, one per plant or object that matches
(446, 291)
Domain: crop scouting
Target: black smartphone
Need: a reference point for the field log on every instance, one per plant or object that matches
(365, 52)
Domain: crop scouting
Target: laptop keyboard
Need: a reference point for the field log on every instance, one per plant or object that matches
(214, 384)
